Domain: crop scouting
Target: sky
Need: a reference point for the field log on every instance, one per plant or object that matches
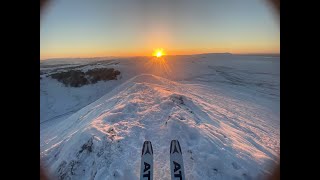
(98, 28)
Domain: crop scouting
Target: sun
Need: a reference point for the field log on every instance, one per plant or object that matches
(158, 53)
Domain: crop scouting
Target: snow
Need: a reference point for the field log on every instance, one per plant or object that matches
(223, 109)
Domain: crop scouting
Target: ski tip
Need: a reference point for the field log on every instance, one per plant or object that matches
(147, 148)
(175, 147)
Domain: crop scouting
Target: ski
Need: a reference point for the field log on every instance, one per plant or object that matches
(146, 168)
(176, 161)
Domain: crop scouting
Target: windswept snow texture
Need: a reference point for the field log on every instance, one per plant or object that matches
(223, 109)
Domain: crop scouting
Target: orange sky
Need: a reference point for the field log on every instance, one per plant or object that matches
(132, 28)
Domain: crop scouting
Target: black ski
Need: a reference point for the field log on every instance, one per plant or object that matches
(176, 161)
(146, 170)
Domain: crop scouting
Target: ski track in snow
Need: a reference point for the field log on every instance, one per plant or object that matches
(224, 110)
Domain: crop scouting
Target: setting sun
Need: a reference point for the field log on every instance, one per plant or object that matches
(158, 53)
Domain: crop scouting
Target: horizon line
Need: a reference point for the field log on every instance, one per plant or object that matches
(93, 57)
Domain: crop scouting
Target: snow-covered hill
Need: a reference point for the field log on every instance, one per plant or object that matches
(223, 108)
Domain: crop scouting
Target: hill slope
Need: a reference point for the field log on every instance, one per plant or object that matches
(226, 130)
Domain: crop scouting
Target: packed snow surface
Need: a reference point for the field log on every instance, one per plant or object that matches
(223, 109)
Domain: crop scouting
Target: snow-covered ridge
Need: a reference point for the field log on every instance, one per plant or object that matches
(222, 137)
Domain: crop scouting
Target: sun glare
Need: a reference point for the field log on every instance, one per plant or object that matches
(158, 53)
(158, 65)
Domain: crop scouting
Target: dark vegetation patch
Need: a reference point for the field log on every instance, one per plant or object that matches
(77, 78)
(73, 78)
(102, 74)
